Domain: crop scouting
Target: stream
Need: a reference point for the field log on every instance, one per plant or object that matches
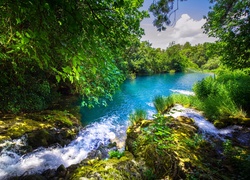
(105, 124)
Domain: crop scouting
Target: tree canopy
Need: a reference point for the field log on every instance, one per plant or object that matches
(230, 22)
(78, 45)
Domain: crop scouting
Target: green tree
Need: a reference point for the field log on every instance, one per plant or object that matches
(229, 21)
(77, 45)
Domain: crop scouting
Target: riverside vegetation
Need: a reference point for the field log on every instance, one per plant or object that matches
(169, 148)
(173, 148)
(163, 148)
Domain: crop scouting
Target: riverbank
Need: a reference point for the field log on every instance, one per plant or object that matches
(41, 129)
(167, 147)
(172, 148)
(23, 134)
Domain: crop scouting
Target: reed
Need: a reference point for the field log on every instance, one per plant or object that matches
(163, 104)
(138, 115)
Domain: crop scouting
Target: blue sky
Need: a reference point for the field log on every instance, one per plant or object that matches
(189, 20)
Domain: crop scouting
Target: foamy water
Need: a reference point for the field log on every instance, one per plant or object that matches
(12, 164)
(204, 125)
(189, 93)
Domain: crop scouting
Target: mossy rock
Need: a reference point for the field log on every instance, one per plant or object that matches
(42, 128)
(219, 124)
(55, 117)
(182, 155)
(121, 169)
(224, 122)
(40, 138)
(245, 121)
(29, 177)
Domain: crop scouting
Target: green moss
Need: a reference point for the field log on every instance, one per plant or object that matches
(60, 118)
(182, 154)
(15, 129)
(120, 169)
(39, 138)
(14, 126)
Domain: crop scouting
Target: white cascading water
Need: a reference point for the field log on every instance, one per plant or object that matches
(12, 164)
(189, 93)
(204, 125)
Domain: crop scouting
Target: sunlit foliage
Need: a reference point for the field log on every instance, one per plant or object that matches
(71, 46)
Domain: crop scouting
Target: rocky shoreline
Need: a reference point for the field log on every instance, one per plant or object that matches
(163, 148)
(44, 129)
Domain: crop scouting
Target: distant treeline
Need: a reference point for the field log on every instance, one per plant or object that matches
(144, 59)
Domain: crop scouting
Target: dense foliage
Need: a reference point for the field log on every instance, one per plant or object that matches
(145, 59)
(225, 96)
(229, 21)
(66, 46)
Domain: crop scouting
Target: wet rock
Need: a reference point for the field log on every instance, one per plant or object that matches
(245, 121)
(29, 177)
(102, 152)
(241, 137)
(49, 174)
(61, 171)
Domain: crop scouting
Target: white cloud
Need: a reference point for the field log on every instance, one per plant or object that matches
(185, 29)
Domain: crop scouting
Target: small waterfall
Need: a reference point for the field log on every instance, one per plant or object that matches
(90, 138)
(206, 127)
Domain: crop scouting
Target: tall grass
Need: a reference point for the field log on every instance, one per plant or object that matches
(226, 96)
(162, 104)
(138, 115)
(182, 99)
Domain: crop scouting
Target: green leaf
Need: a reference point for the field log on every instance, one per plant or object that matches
(18, 20)
(67, 69)
(58, 78)
(27, 34)
(94, 70)
(25, 40)
(71, 79)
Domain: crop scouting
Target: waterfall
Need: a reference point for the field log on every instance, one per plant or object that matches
(95, 134)
(206, 127)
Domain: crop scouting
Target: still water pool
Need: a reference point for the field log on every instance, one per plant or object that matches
(139, 94)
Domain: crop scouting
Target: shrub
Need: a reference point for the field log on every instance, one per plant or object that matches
(162, 104)
(138, 115)
(182, 99)
(224, 96)
(238, 158)
(238, 85)
(32, 96)
(206, 87)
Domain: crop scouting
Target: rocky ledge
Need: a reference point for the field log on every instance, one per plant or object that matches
(41, 129)
(163, 148)
(169, 148)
